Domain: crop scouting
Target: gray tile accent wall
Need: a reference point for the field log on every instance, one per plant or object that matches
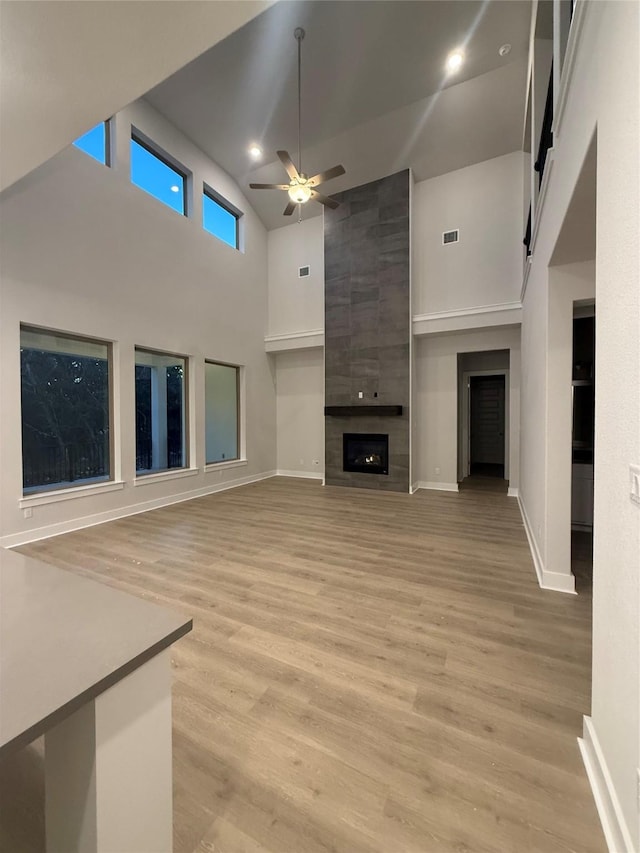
(368, 323)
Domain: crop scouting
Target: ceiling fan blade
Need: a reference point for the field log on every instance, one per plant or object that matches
(323, 199)
(269, 186)
(335, 172)
(287, 162)
(289, 208)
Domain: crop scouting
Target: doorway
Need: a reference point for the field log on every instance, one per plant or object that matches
(483, 419)
(487, 426)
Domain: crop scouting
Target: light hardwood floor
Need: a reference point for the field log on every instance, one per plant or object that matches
(367, 671)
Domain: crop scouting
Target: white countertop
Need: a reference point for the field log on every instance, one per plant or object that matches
(64, 640)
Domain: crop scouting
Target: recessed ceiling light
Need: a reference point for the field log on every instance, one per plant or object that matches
(255, 151)
(175, 189)
(504, 50)
(454, 60)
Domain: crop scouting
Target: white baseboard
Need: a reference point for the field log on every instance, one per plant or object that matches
(556, 581)
(512, 492)
(559, 582)
(616, 831)
(13, 540)
(438, 487)
(303, 475)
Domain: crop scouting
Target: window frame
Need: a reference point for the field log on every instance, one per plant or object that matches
(35, 495)
(240, 457)
(237, 214)
(160, 154)
(185, 469)
(107, 123)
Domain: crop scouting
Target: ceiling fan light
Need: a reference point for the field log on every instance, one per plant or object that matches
(299, 193)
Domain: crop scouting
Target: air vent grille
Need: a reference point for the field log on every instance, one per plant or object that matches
(450, 236)
(303, 272)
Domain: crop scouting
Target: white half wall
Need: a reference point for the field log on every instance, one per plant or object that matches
(300, 411)
(436, 410)
(86, 252)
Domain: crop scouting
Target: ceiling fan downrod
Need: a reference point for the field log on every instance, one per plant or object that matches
(299, 35)
(300, 187)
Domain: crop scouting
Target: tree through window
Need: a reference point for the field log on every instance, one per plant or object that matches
(65, 410)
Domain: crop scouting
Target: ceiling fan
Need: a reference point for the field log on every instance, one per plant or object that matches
(300, 187)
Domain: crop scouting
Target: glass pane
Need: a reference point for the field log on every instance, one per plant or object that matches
(220, 222)
(221, 404)
(160, 411)
(154, 176)
(65, 410)
(94, 142)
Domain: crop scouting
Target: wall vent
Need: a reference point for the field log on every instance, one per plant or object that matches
(303, 272)
(450, 236)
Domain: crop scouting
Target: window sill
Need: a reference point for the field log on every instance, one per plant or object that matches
(161, 476)
(232, 463)
(41, 498)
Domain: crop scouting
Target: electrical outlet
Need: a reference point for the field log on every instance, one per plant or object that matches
(360, 395)
(437, 470)
(28, 512)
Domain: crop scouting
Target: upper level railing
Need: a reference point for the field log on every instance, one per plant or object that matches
(527, 234)
(546, 135)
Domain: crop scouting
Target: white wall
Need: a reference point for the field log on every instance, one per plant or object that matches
(485, 267)
(568, 283)
(436, 413)
(85, 251)
(296, 304)
(603, 94)
(300, 406)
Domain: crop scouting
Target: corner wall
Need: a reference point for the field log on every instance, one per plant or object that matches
(86, 252)
(603, 93)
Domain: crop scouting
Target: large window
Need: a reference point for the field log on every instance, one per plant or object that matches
(65, 410)
(152, 172)
(221, 406)
(95, 143)
(220, 218)
(161, 430)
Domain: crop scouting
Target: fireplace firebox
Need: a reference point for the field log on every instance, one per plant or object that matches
(367, 453)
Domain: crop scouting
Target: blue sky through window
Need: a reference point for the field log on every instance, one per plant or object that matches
(218, 221)
(157, 178)
(94, 142)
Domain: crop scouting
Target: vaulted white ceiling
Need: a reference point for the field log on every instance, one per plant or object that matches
(68, 64)
(375, 93)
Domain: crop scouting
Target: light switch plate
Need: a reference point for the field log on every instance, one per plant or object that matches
(634, 483)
